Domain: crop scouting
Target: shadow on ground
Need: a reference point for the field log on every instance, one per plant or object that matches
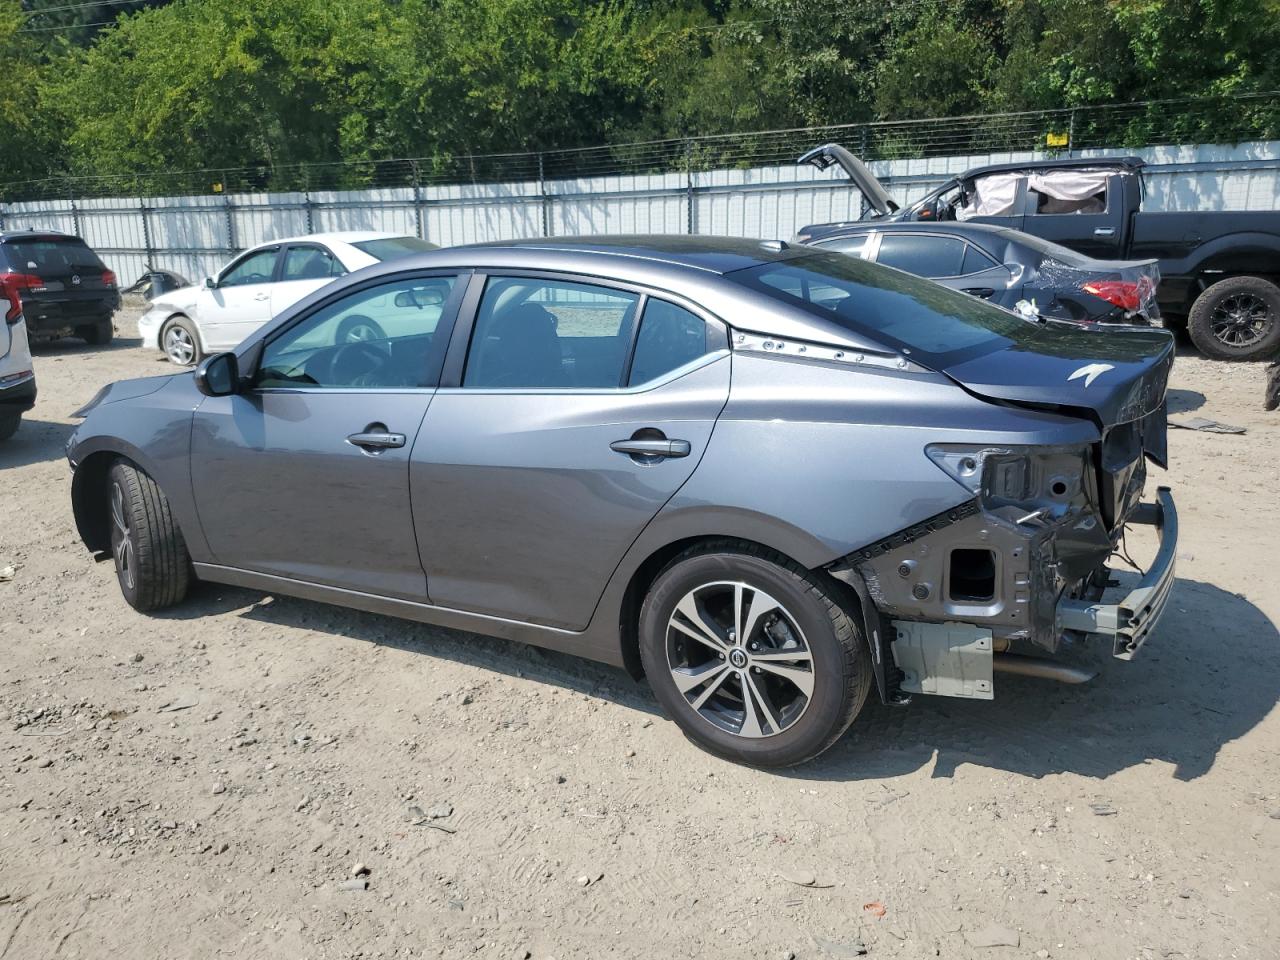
(1209, 674)
(36, 441)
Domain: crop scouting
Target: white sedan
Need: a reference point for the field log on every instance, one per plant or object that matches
(188, 323)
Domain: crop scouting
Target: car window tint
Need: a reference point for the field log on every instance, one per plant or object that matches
(975, 260)
(922, 255)
(310, 263)
(255, 268)
(532, 333)
(669, 337)
(853, 246)
(52, 256)
(383, 336)
(389, 248)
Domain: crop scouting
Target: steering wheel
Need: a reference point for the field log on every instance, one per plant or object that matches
(356, 360)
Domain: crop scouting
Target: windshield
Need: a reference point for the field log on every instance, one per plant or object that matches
(51, 256)
(916, 316)
(389, 248)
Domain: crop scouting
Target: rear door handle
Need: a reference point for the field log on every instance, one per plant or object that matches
(1104, 231)
(986, 293)
(652, 448)
(377, 440)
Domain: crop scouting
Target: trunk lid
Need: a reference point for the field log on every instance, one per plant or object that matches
(1116, 375)
(830, 154)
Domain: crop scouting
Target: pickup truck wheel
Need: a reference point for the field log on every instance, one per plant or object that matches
(180, 342)
(9, 423)
(99, 333)
(1237, 319)
(752, 655)
(151, 559)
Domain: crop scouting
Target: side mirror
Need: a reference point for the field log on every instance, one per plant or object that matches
(210, 283)
(219, 375)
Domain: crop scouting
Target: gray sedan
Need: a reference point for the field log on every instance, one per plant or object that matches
(769, 479)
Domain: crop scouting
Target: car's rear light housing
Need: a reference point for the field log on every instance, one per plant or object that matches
(11, 287)
(109, 278)
(1128, 295)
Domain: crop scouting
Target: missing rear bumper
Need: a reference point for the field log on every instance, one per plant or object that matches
(1130, 622)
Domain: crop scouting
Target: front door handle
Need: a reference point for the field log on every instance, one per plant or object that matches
(652, 448)
(263, 296)
(1104, 231)
(986, 293)
(376, 440)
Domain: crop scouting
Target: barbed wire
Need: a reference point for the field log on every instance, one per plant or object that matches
(1230, 119)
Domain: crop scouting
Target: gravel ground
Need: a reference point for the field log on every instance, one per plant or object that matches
(202, 783)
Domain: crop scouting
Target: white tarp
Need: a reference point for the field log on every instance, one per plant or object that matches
(1074, 190)
(993, 196)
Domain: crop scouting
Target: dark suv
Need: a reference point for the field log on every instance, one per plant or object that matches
(64, 288)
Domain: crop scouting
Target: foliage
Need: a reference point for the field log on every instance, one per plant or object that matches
(196, 84)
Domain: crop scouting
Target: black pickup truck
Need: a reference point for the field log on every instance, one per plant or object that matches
(1219, 269)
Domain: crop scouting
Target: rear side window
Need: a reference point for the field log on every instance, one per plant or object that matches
(51, 256)
(546, 334)
(389, 248)
(310, 263)
(924, 256)
(852, 246)
(669, 337)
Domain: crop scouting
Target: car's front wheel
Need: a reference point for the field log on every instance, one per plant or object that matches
(180, 342)
(752, 655)
(151, 559)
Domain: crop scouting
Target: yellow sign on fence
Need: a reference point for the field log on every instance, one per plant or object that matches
(1056, 139)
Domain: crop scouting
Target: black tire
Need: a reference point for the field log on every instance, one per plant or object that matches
(1237, 319)
(839, 659)
(175, 347)
(356, 327)
(99, 334)
(151, 559)
(9, 423)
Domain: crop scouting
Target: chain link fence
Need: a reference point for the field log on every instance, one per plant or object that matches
(1231, 119)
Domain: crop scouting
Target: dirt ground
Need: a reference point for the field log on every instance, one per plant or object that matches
(201, 783)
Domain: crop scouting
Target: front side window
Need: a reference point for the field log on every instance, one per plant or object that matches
(383, 336)
(255, 268)
(924, 256)
(549, 334)
(669, 337)
(310, 263)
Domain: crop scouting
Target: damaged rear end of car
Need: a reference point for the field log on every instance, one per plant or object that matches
(1019, 572)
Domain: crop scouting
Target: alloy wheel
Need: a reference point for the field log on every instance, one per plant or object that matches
(740, 659)
(360, 332)
(121, 541)
(178, 345)
(1241, 319)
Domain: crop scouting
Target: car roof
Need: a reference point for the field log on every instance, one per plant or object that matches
(926, 226)
(712, 254)
(29, 233)
(338, 236)
(1128, 164)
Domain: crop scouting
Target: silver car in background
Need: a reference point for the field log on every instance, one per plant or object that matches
(767, 478)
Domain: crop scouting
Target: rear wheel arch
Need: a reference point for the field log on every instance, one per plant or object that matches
(647, 572)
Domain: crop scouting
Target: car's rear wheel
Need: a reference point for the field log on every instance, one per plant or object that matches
(755, 657)
(180, 342)
(151, 559)
(100, 333)
(9, 423)
(1237, 319)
